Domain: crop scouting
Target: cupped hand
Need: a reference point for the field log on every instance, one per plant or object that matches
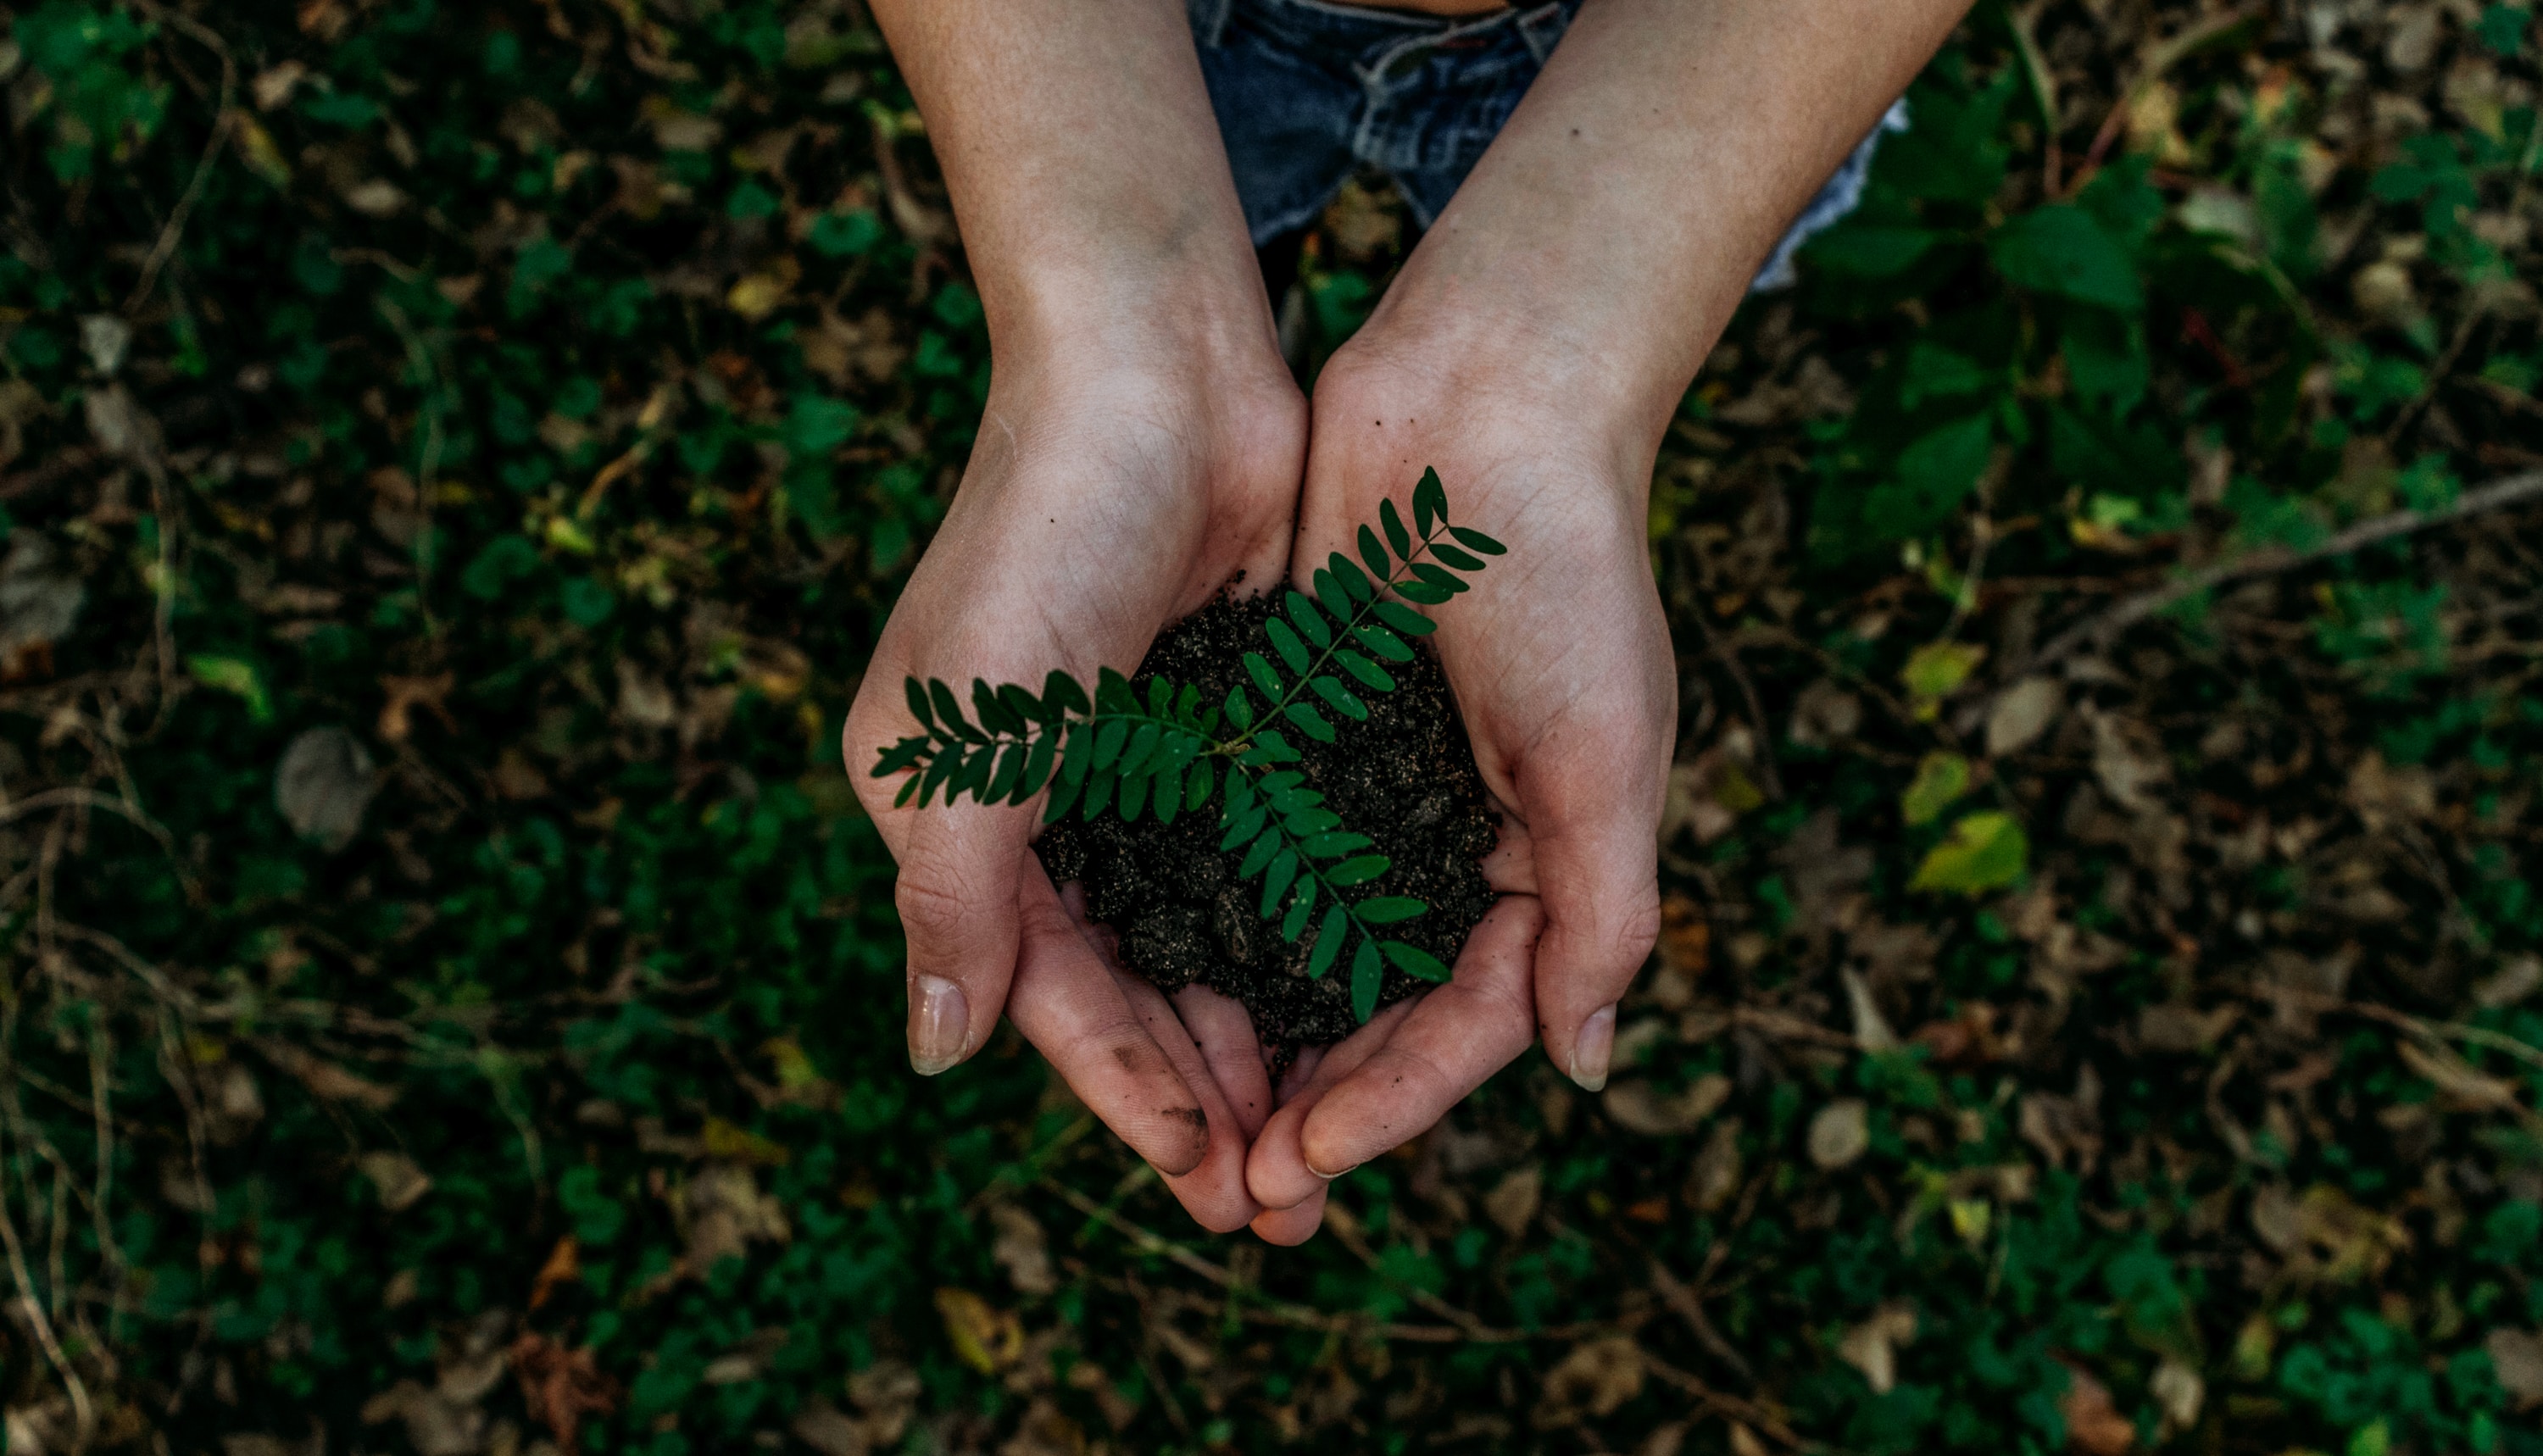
(1101, 501)
(1559, 660)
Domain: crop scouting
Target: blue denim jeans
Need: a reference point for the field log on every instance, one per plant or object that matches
(1308, 93)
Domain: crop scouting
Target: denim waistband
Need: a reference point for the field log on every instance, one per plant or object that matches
(1377, 42)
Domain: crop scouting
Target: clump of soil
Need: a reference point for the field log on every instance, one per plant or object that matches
(1406, 778)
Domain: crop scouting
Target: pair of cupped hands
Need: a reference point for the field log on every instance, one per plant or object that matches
(1116, 483)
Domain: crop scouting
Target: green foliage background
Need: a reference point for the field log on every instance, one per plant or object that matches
(488, 437)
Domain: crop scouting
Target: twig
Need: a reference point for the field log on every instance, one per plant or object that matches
(2043, 88)
(222, 121)
(1749, 1413)
(2497, 496)
(1682, 1297)
(81, 1414)
(2438, 373)
(1726, 653)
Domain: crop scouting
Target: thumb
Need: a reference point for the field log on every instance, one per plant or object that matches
(960, 867)
(1598, 878)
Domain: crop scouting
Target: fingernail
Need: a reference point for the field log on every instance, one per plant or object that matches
(939, 1021)
(1327, 1177)
(1590, 1054)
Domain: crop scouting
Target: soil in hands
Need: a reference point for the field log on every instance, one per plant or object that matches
(1406, 778)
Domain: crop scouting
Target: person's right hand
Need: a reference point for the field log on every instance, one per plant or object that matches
(1117, 483)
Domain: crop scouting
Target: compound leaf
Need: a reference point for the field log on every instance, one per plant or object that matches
(1382, 642)
(899, 756)
(1286, 643)
(1060, 694)
(1360, 871)
(1011, 767)
(1367, 973)
(1332, 598)
(1388, 910)
(1258, 856)
(1430, 503)
(1309, 721)
(1413, 961)
(1372, 553)
(1310, 622)
(1396, 536)
(1404, 619)
(1329, 941)
(1371, 675)
(995, 714)
(1284, 867)
(1299, 905)
(1340, 698)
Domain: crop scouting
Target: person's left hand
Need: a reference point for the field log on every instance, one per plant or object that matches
(1560, 659)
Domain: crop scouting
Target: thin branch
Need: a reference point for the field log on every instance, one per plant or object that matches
(223, 120)
(2498, 495)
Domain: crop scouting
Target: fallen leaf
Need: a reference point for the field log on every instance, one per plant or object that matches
(2179, 1391)
(1636, 1106)
(986, 1337)
(1715, 1178)
(400, 1183)
(559, 1387)
(1514, 1201)
(2516, 1360)
(1987, 851)
(273, 86)
(2094, 1425)
(323, 785)
(1872, 1031)
(2019, 715)
(2182, 1030)
(405, 694)
(1592, 1381)
(1841, 1132)
(40, 602)
(1940, 779)
(2127, 759)
(1021, 1251)
(1935, 672)
(564, 1267)
(2512, 982)
(1872, 1348)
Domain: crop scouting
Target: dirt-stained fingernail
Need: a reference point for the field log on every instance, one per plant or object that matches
(1591, 1050)
(940, 1021)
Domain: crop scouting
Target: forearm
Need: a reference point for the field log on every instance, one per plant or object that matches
(1606, 237)
(1085, 166)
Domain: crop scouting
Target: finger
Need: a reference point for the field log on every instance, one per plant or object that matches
(961, 870)
(1459, 1036)
(1221, 1028)
(1510, 866)
(1070, 1005)
(1302, 1074)
(1599, 875)
(1212, 1191)
(1275, 1172)
(1288, 1227)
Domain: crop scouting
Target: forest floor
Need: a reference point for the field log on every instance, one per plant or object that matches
(454, 459)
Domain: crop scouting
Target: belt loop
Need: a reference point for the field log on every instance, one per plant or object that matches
(1208, 21)
(1543, 27)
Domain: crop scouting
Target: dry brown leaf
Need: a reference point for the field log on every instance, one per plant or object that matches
(2516, 1359)
(1636, 1106)
(323, 785)
(2021, 713)
(2094, 1425)
(1872, 1348)
(1715, 1178)
(400, 1183)
(1840, 1134)
(559, 1387)
(1514, 1201)
(1021, 1251)
(1592, 1381)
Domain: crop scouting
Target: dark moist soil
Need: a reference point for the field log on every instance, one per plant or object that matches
(1404, 778)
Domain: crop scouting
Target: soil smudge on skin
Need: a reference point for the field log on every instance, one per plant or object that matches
(1406, 778)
